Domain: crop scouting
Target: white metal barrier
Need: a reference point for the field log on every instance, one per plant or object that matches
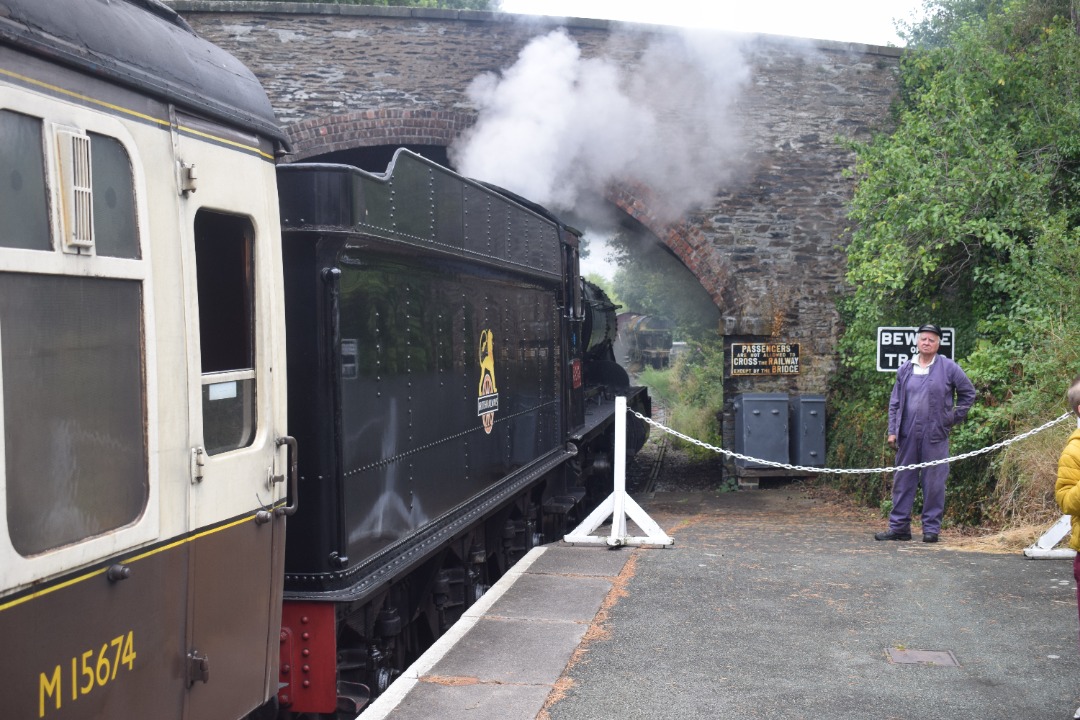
(619, 505)
(1046, 546)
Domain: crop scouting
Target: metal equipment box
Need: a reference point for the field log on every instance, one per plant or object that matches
(761, 428)
(808, 430)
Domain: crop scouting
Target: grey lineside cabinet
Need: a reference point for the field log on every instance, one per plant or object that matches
(807, 432)
(780, 428)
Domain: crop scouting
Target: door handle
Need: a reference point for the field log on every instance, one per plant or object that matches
(294, 488)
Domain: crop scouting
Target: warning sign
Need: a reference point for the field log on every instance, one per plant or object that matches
(764, 358)
(897, 345)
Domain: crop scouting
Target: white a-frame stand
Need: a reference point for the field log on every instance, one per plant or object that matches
(1046, 546)
(618, 505)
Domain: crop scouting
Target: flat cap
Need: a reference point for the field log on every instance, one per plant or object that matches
(930, 328)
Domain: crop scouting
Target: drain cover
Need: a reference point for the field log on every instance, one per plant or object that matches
(923, 657)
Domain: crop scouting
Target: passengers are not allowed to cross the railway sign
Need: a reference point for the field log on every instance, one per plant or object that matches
(897, 345)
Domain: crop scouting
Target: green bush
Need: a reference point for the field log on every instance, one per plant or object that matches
(693, 392)
(968, 215)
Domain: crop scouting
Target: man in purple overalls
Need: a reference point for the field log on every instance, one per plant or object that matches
(922, 411)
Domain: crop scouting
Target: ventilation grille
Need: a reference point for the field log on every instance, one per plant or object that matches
(78, 199)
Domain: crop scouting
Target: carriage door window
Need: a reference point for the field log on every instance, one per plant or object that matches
(224, 258)
(22, 183)
(115, 229)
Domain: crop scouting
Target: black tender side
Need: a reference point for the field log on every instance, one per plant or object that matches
(400, 288)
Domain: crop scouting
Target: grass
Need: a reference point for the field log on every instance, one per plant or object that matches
(694, 399)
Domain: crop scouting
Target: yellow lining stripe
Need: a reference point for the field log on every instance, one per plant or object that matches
(132, 113)
(134, 558)
(46, 591)
(223, 141)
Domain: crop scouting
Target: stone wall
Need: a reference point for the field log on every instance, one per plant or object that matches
(768, 249)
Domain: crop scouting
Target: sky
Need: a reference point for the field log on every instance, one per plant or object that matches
(861, 21)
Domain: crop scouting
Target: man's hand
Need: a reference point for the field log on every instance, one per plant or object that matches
(892, 441)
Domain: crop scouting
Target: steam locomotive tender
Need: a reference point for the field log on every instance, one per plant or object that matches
(442, 350)
(405, 369)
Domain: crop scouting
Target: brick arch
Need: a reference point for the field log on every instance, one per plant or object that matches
(384, 126)
(687, 240)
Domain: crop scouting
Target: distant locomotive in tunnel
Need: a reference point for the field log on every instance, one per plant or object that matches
(646, 340)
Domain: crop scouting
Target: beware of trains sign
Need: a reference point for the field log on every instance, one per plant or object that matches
(897, 345)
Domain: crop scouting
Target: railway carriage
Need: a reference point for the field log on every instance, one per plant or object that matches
(141, 368)
(176, 306)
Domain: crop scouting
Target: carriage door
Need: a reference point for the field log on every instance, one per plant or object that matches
(233, 465)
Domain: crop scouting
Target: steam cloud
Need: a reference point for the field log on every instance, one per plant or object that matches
(559, 129)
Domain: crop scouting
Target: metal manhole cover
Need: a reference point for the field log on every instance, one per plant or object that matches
(923, 657)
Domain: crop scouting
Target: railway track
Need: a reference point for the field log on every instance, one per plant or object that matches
(665, 465)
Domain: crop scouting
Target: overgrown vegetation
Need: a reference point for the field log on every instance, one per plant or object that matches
(692, 391)
(967, 215)
(651, 281)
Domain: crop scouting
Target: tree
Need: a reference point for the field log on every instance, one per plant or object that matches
(651, 281)
(940, 19)
(968, 214)
(606, 285)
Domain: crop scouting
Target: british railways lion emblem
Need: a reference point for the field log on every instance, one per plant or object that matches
(488, 402)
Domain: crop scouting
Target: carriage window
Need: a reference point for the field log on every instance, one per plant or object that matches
(24, 210)
(74, 407)
(114, 200)
(224, 256)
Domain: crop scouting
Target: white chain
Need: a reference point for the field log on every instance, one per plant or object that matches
(842, 471)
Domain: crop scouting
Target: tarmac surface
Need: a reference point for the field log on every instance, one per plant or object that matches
(770, 604)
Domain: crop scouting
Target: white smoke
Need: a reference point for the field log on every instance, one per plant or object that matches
(560, 129)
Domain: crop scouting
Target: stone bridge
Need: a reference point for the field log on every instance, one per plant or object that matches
(768, 246)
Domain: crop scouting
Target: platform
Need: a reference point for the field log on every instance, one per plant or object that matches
(770, 605)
